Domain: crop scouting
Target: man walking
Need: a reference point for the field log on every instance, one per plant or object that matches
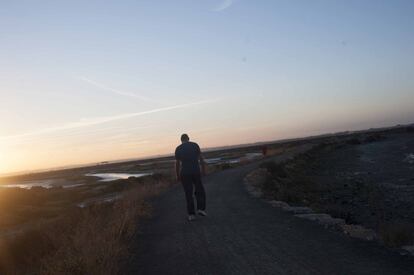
(187, 168)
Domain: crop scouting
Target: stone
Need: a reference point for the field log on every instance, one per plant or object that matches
(280, 204)
(359, 232)
(409, 249)
(298, 210)
(255, 192)
(323, 219)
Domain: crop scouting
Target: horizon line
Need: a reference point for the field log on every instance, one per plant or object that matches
(208, 149)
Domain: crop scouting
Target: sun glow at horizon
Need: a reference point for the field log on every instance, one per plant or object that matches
(85, 82)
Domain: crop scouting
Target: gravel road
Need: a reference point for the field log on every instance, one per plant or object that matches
(245, 235)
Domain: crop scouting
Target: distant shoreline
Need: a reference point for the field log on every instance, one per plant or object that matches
(209, 149)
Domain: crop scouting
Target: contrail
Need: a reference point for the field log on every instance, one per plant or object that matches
(99, 120)
(104, 87)
(225, 4)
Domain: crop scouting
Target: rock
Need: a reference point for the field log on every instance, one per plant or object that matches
(280, 204)
(255, 192)
(254, 181)
(409, 158)
(298, 210)
(359, 232)
(409, 249)
(323, 219)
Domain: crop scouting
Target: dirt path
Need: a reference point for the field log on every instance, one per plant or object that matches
(244, 235)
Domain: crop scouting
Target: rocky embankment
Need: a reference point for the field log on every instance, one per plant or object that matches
(361, 185)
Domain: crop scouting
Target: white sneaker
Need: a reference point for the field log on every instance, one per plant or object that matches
(191, 218)
(202, 213)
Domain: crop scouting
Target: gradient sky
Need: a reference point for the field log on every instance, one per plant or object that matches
(89, 81)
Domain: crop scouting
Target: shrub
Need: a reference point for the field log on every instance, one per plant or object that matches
(353, 141)
(397, 234)
(373, 138)
(410, 129)
(225, 166)
(92, 240)
(275, 169)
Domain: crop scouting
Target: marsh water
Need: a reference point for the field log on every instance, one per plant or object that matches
(116, 176)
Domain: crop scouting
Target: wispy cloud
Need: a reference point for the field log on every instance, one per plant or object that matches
(225, 4)
(116, 91)
(104, 119)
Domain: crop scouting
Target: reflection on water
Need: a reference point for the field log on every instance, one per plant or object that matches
(116, 176)
(248, 156)
(104, 177)
(213, 160)
(254, 155)
(45, 184)
(30, 184)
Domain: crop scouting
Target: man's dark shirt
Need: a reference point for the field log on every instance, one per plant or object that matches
(188, 153)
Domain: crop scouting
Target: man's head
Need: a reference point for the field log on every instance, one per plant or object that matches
(184, 138)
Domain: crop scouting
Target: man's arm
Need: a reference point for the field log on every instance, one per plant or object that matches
(177, 169)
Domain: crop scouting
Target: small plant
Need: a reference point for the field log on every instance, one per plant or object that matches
(410, 129)
(275, 169)
(397, 234)
(92, 240)
(353, 141)
(373, 138)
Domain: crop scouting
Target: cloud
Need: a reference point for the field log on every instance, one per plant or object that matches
(85, 122)
(225, 4)
(123, 93)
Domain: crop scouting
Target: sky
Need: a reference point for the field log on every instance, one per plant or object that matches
(90, 81)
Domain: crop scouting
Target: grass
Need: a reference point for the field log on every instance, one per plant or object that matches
(275, 169)
(280, 185)
(290, 182)
(397, 234)
(93, 240)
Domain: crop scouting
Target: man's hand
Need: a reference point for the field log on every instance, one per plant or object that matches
(203, 165)
(178, 170)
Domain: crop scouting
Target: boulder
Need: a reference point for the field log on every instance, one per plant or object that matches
(280, 204)
(359, 232)
(298, 209)
(323, 219)
(409, 249)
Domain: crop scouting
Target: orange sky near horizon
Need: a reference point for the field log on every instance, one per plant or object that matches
(90, 81)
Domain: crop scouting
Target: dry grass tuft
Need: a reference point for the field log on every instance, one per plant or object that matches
(397, 234)
(93, 240)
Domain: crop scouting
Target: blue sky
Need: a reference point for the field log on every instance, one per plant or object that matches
(86, 81)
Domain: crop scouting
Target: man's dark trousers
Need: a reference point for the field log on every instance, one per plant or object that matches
(190, 181)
